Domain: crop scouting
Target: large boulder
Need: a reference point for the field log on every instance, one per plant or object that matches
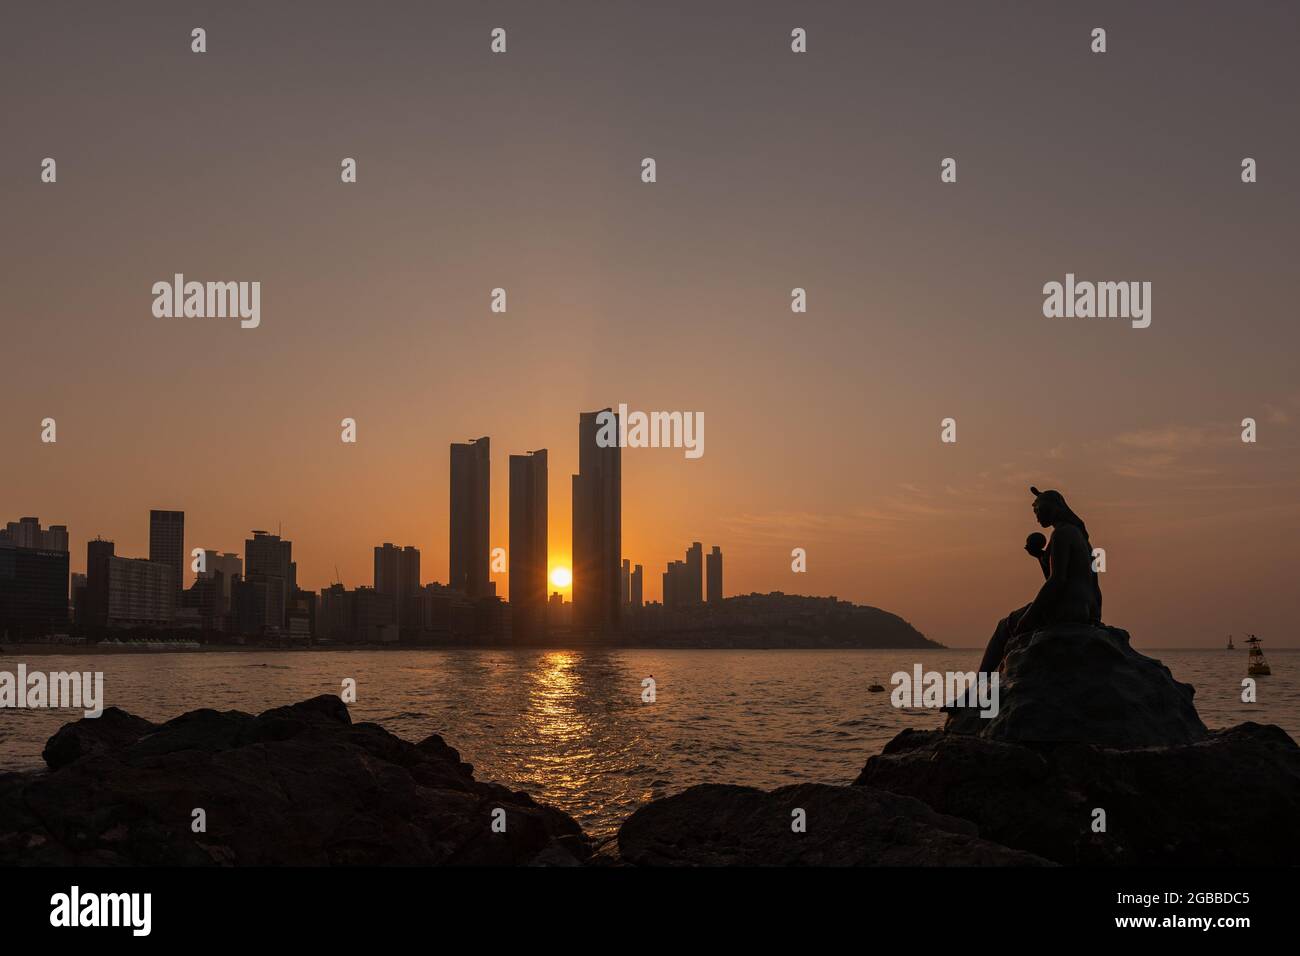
(723, 825)
(1230, 799)
(299, 785)
(1083, 684)
(1097, 756)
(112, 730)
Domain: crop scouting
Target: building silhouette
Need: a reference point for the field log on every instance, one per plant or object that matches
(694, 581)
(470, 517)
(167, 544)
(27, 533)
(397, 570)
(141, 593)
(78, 594)
(684, 580)
(637, 597)
(256, 604)
(397, 579)
(559, 614)
(597, 529)
(208, 599)
(714, 574)
(676, 585)
(271, 581)
(529, 556)
(98, 553)
(33, 590)
(229, 566)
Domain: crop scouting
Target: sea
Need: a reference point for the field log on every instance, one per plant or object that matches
(575, 728)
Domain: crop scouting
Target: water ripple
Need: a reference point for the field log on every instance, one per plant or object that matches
(570, 727)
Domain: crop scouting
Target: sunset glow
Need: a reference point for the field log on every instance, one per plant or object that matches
(561, 577)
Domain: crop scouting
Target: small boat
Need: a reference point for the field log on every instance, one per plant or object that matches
(1230, 644)
(1256, 666)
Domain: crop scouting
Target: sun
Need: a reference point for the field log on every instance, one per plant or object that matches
(561, 577)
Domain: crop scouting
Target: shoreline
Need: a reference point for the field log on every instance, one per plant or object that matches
(68, 650)
(50, 650)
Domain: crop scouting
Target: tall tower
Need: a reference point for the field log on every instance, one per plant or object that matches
(98, 555)
(638, 576)
(528, 545)
(269, 560)
(694, 589)
(598, 523)
(167, 544)
(470, 507)
(713, 564)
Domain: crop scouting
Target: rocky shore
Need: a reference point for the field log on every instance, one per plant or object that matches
(1096, 756)
(299, 785)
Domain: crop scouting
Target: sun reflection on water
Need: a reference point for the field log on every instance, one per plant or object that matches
(553, 712)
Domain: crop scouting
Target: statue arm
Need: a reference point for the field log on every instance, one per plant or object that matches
(1058, 551)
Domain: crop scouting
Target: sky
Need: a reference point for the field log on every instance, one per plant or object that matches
(775, 170)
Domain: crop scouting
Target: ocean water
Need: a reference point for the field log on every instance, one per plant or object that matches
(570, 727)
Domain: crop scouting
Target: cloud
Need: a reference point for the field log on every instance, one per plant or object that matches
(1170, 438)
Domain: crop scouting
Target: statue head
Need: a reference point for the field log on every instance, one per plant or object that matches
(1050, 509)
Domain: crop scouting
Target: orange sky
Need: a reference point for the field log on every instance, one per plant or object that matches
(522, 171)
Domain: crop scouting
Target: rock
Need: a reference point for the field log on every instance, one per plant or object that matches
(1229, 799)
(299, 785)
(1076, 683)
(722, 825)
(110, 731)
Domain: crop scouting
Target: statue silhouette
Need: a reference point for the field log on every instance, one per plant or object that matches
(1071, 592)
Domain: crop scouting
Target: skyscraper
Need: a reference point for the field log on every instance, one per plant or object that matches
(397, 582)
(397, 570)
(675, 585)
(33, 591)
(694, 589)
(714, 568)
(470, 515)
(528, 544)
(625, 583)
(638, 594)
(98, 554)
(597, 526)
(167, 544)
(270, 563)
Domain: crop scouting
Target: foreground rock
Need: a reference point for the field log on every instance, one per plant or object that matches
(720, 825)
(1086, 723)
(299, 785)
(1232, 799)
(1087, 685)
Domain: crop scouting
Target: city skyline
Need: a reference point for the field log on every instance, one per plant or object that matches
(258, 596)
(396, 569)
(498, 582)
